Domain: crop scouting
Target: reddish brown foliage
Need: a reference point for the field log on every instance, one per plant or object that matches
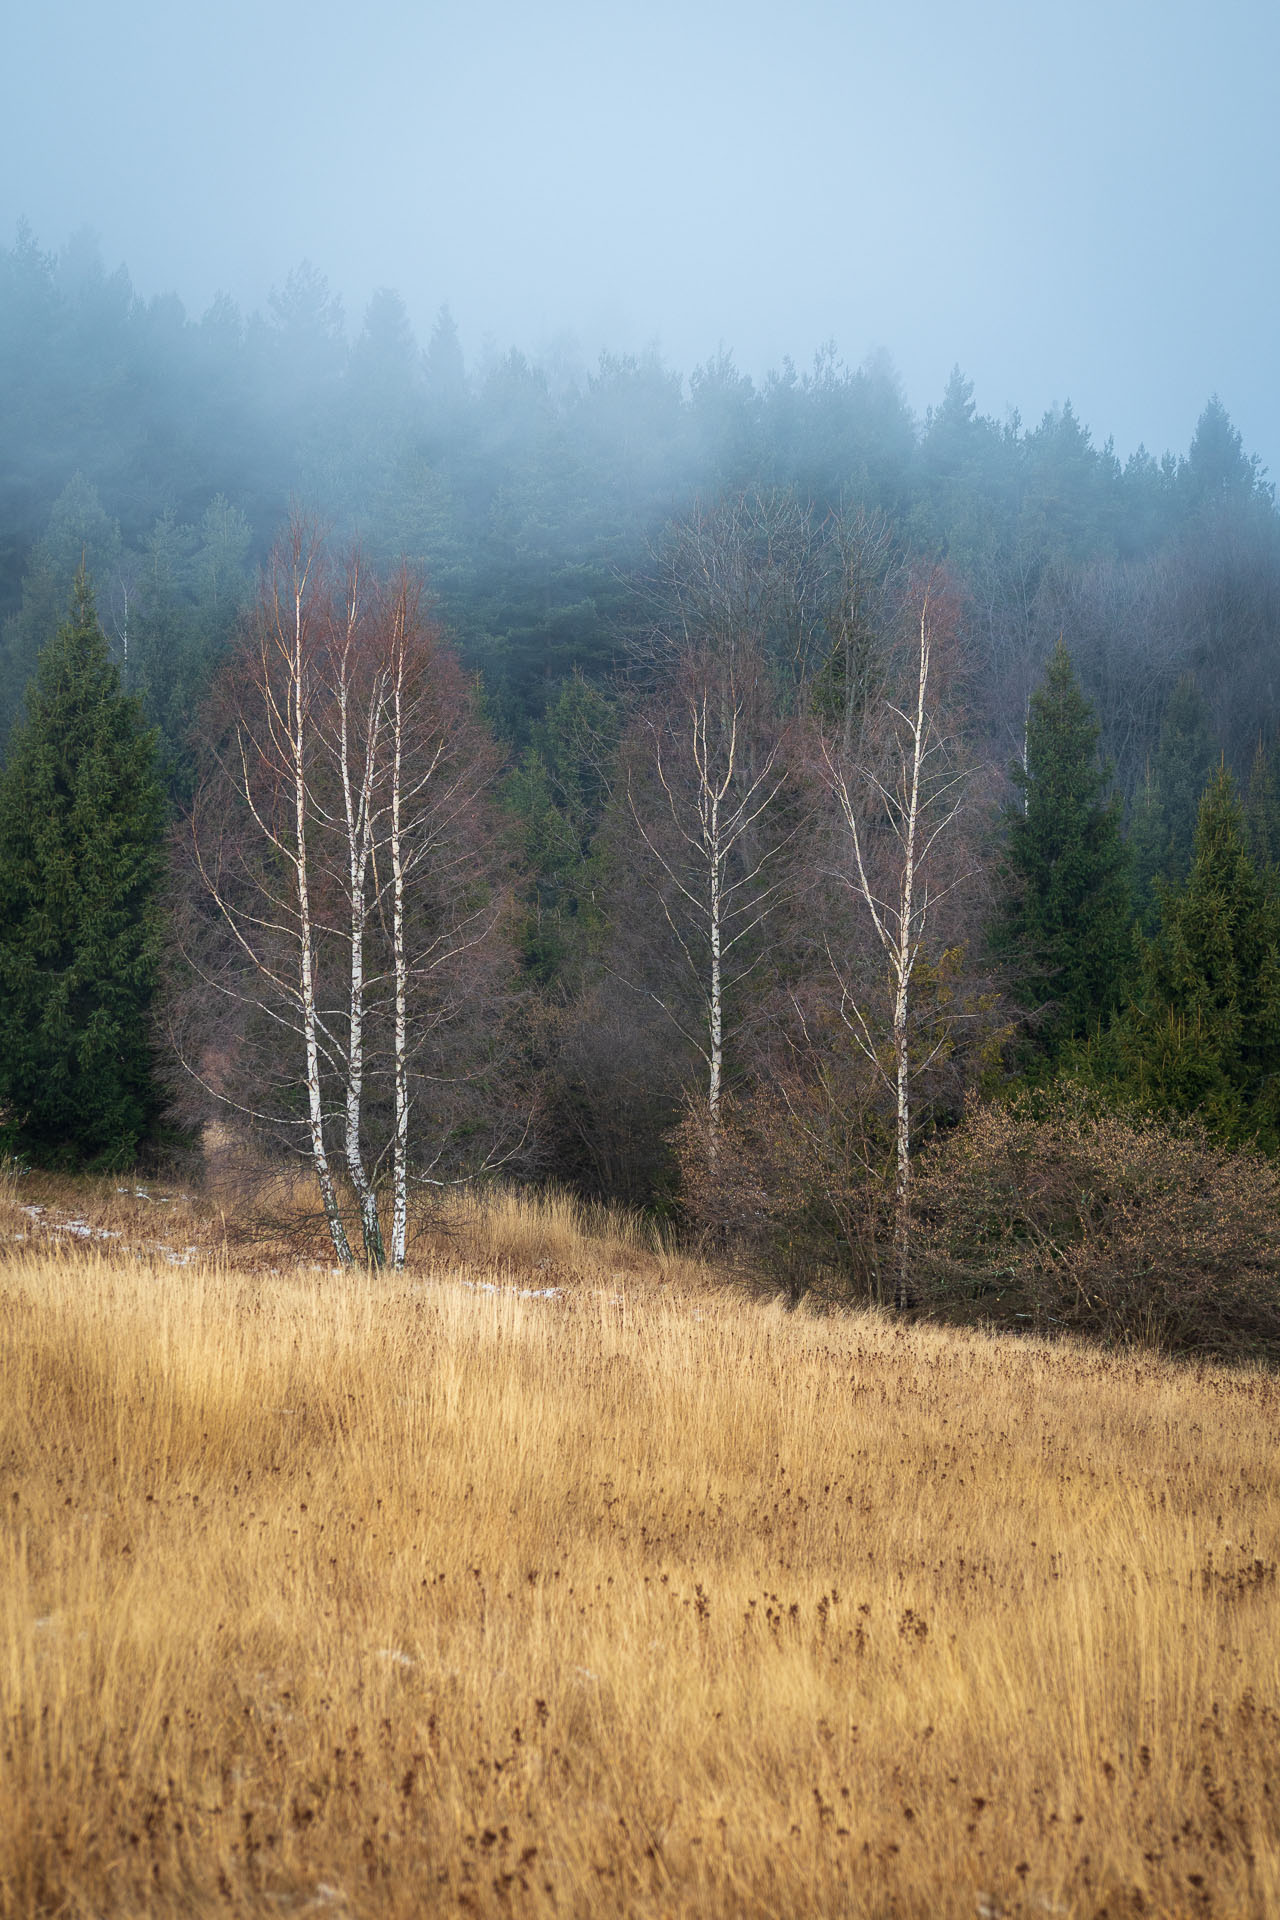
(1109, 1224)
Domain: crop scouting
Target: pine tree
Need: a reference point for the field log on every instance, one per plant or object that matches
(81, 820)
(1066, 926)
(1203, 1035)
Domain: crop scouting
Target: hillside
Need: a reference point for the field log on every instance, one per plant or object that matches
(552, 1577)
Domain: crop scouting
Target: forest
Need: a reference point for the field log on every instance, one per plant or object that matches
(853, 836)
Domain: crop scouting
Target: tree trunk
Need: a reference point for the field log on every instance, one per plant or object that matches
(400, 1143)
(319, 1155)
(359, 826)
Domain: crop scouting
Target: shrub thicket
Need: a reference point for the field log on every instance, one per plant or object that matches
(1109, 1223)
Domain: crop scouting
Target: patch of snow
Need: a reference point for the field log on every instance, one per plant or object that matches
(80, 1228)
(521, 1293)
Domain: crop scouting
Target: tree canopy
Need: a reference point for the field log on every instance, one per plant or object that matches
(81, 864)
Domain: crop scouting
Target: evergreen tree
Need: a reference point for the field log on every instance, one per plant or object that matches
(1217, 468)
(1262, 814)
(558, 792)
(81, 820)
(79, 533)
(1148, 840)
(1181, 769)
(1066, 921)
(1203, 1034)
(444, 369)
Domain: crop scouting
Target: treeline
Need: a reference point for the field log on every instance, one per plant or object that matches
(168, 450)
(820, 825)
(758, 938)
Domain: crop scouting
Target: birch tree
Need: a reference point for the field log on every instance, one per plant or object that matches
(251, 835)
(350, 723)
(705, 775)
(897, 804)
(348, 905)
(438, 896)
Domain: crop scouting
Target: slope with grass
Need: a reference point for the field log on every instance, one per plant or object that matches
(549, 1578)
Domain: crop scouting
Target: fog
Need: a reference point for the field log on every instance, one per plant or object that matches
(1071, 203)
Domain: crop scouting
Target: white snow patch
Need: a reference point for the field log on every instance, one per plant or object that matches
(80, 1228)
(520, 1293)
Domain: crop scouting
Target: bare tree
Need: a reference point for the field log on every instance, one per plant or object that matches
(445, 909)
(348, 901)
(706, 769)
(250, 837)
(896, 805)
(349, 725)
(803, 586)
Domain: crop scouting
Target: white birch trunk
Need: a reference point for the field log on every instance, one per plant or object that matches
(714, 801)
(715, 996)
(400, 1142)
(903, 965)
(920, 803)
(359, 826)
(319, 1155)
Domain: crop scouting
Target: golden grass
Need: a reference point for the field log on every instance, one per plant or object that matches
(395, 1596)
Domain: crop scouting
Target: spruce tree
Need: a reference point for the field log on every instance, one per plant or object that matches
(1203, 1034)
(1262, 814)
(81, 861)
(1066, 924)
(1183, 769)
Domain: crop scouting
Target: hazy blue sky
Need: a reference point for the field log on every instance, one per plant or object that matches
(1070, 200)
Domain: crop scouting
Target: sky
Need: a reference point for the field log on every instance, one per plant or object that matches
(1071, 202)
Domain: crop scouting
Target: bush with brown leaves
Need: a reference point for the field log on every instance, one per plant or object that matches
(1110, 1223)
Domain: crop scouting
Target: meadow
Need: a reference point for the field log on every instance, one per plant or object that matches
(556, 1576)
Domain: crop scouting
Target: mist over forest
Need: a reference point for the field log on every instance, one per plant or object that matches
(168, 448)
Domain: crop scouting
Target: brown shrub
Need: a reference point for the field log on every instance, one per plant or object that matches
(794, 1178)
(1111, 1223)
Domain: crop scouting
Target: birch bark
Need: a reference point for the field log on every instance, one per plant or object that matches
(916, 788)
(298, 690)
(358, 742)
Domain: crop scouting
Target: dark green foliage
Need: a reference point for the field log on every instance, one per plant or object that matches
(1169, 801)
(1262, 814)
(1148, 839)
(558, 792)
(1065, 927)
(81, 860)
(79, 533)
(1203, 1035)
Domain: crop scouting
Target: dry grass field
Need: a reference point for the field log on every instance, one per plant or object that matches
(551, 1579)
